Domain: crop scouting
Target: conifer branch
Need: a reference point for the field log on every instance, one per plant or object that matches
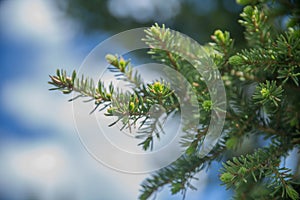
(262, 83)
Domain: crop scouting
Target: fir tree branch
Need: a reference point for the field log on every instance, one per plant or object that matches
(178, 174)
(264, 163)
(257, 29)
(84, 86)
(262, 81)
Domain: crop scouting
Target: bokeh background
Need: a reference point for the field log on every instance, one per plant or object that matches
(41, 156)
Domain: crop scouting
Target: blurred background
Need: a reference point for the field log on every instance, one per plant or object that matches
(41, 156)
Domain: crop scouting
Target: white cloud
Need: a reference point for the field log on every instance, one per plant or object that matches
(48, 169)
(27, 99)
(34, 19)
(33, 105)
(145, 10)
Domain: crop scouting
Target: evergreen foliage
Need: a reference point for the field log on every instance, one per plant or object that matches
(263, 95)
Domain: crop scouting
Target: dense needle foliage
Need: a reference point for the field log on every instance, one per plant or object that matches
(263, 103)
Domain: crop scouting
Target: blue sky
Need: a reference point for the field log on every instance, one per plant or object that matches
(41, 155)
